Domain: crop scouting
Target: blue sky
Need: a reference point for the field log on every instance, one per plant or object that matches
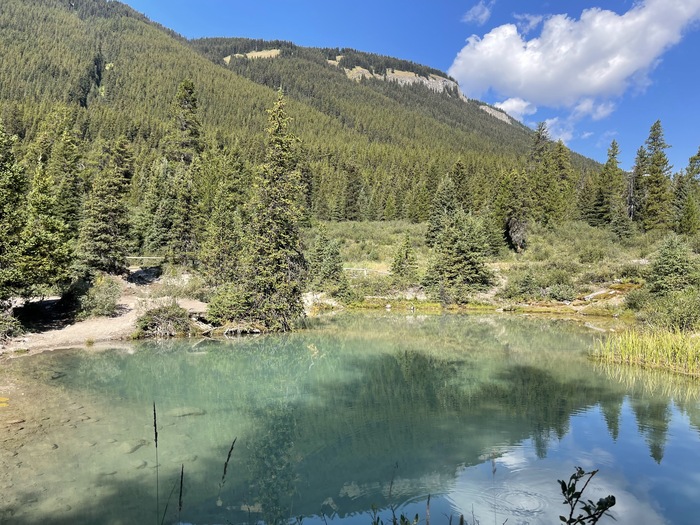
(594, 70)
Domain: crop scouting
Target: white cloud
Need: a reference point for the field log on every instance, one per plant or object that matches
(527, 22)
(587, 135)
(579, 64)
(517, 108)
(480, 13)
(596, 110)
(560, 129)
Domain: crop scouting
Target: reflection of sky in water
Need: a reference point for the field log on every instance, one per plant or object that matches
(484, 413)
(513, 484)
(525, 492)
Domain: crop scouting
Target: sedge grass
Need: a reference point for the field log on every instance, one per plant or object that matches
(671, 350)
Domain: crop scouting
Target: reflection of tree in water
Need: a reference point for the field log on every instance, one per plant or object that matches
(272, 464)
(327, 413)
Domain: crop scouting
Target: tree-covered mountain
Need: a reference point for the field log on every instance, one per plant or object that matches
(119, 136)
(372, 149)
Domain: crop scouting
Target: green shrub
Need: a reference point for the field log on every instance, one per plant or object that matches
(561, 292)
(673, 269)
(165, 321)
(522, 286)
(9, 326)
(100, 299)
(638, 299)
(230, 302)
(674, 311)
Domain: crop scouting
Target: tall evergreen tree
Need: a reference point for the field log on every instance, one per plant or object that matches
(185, 142)
(104, 231)
(635, 185)
(656, 212)
(686, 198)
(222, 242)
(45, 254)
(444, 205)
(269, 294)
(13, 187)
(459, 267)
(608, 190)
(64, 168)
(403, 266)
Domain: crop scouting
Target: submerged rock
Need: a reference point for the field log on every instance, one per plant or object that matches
(186, 411)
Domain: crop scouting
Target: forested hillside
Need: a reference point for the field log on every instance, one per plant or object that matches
(120, 137)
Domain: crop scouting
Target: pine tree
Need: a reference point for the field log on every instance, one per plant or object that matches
(444, 205)
(45, 255)
(403, 266)
(269, 294)
(13, 187)
(687, 198)
(635, 186)
(185, 221)
(104, 231)
(222, 244)
(64, 168)
(560, 197)
(184, 142)
(326, 266)
(459, 267)
(608, 190)
(656, 212)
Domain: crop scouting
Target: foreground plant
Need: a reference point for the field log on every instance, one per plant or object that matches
(572, 497)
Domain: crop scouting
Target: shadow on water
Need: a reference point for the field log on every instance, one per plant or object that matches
(340, 418)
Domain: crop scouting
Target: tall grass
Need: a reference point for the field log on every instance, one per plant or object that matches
(672, 350)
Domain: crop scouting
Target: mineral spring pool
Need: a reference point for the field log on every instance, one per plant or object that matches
(355, 418)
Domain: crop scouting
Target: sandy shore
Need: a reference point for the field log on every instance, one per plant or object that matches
(133, 302)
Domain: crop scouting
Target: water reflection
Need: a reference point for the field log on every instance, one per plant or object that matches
(484, 413)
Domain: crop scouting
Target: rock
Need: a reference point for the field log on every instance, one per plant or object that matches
(132, 446)
(185, 411)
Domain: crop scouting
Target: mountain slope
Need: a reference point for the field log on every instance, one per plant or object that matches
(373, 149)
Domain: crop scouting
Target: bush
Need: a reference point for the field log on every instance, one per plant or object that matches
(165, 321)
(638, 299)
(673, 269)
(100, 298)
(561, 292)
(674, 311)
(523, 286)
(9, 326)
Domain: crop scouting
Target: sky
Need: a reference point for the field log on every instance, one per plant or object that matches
(593, 70)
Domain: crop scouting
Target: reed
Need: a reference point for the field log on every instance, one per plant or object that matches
(672, 350)
(179, 500)
(155, 435)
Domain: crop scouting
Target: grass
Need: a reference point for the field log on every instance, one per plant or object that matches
(671, 350)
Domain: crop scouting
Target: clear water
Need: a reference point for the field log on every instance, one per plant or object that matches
(482, 413)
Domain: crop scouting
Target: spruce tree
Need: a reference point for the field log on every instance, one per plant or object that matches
(459, 265)
(403, 266)
(222, 243)
(635, 186)
(45, 254)
(184, 141)
(64, 168)
(444, 205)
(686, 197)
(13, 187)
(269, 293)
(104, 231)
(656, 212)
(608, 190)
(326, 266)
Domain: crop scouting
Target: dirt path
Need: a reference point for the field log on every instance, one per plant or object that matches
(134, 301)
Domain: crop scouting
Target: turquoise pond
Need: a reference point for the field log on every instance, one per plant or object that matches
(357, 412)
